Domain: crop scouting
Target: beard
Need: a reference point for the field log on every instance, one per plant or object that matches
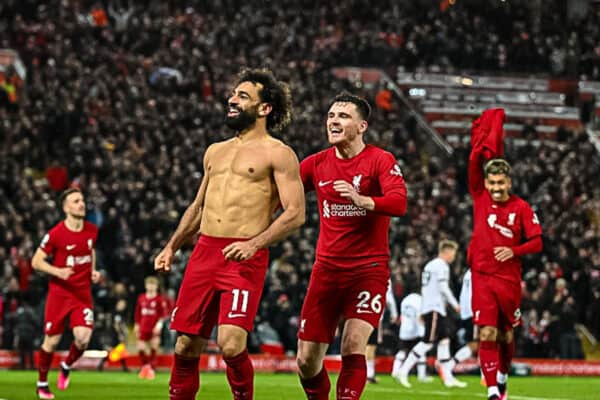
(78, 216)
(244, 120)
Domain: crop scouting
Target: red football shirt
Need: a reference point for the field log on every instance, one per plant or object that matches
(351, 236)
(497, 224)
(71, 249)
(148, 311)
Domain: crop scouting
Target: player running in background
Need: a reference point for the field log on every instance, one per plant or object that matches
(504, 228)
(70, 244)
(375, 338)
(466, 321)
(436, 295)
(359, 187)
(150, 310)
(411, 332)
(246, 178)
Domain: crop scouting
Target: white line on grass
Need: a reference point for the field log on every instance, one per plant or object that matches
(440, 393)
(445, 394)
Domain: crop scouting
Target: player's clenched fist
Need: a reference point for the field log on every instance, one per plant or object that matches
(64, 273)
(162, 262)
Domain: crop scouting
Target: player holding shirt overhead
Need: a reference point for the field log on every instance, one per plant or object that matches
(70, 244)
(358, 188)
(150, 310)
(505, 228)
(245, 180)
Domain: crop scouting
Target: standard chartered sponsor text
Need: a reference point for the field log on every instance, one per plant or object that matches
(346, 210)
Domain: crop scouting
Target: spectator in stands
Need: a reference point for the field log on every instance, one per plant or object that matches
(26, 328)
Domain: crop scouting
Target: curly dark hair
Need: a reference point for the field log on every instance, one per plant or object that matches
(362, 105)
(274, 92)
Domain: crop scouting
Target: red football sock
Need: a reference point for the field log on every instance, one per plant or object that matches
(353, 377)
(317, 387)
(143, 357)
(506, 353)
(185, 379)
(74, 354)
(488, 358)
(240, 374)
(152, 359)
(44, 365)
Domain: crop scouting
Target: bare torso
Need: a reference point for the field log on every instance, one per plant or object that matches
(241, 195)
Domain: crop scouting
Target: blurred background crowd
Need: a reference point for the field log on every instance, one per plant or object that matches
(122, 98)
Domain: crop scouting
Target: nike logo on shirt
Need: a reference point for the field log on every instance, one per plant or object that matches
(232, 315)
(70, 246)
(323, 183)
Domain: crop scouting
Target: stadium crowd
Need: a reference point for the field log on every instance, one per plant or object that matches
(122, 100)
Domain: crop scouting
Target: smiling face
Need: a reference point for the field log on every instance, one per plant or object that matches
(498, 185)
(244, 106)
(344, 124)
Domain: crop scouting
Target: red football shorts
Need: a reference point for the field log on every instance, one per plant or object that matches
(218, 290)
(495, 302)
(60, 306)
(335, 292)
(146, 336)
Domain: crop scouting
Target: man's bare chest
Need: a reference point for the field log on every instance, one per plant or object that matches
(245, 163)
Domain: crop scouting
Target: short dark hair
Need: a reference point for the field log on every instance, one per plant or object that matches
(362, 105)
(66, 193)
(274, 92)
(496, 166)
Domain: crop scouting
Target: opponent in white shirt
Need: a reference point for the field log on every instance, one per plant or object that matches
(436, 294)
(466, 315)
(435, 287)
(411, 332)
(464, 298)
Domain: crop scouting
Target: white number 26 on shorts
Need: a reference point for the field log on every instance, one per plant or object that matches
(366, 303)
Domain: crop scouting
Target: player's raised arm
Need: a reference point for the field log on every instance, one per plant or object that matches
(487, 137)
(188, 225)
(291, 197)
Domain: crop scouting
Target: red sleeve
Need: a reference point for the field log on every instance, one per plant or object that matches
(532, 230)
(393, 201)
(307, 167)
(476, 179)
(138, 311)
(532, 246)
(48, 243)
(487, 141)
(531, 223)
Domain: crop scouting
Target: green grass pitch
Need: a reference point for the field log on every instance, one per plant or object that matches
(19, 385)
